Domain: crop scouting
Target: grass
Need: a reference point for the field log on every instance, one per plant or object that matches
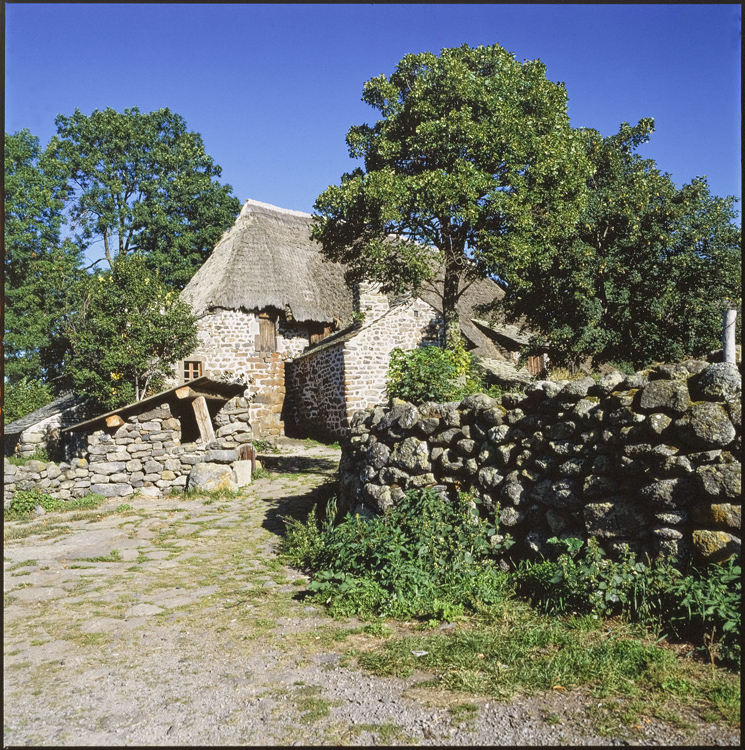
(87, 503)
(113, 556)
(513, 649)
(22, 564)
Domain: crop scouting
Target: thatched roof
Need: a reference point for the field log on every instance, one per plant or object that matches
(268, 260)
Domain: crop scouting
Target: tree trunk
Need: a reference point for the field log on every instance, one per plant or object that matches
(728, 336)
(450, 303)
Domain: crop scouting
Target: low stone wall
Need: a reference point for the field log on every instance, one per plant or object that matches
(650, 461)
(145, 454)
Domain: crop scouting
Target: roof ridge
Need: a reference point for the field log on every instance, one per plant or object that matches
(250, 203)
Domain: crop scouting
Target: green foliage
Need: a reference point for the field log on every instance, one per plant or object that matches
(37, 265)
(143, 183)
(123, 508)
(424, 374)
(423, 556)
(593, 583)
(708, 604)
(472, 168)
(646, 272)
(127, 334)
(697, 605)
(40, 454)
(25, 396)
(24, 501)
(431, 373)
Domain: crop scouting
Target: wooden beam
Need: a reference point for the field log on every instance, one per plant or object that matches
(114, 421)
(188, 392)
(201, 412)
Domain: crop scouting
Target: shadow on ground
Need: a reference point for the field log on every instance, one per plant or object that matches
(298, 506)
(298, 464)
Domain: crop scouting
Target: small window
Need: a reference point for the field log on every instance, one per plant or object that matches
(192, 371)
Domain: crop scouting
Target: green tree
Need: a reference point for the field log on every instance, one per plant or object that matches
(144, 184)
(38, 266)
(647, 271)
(128, 331)
(472, 170)
(23, 397)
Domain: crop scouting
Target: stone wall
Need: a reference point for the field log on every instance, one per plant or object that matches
(650, 461)
(146, 454)
(45, 435)
(315, 402)
(366, 356)
(328, 384)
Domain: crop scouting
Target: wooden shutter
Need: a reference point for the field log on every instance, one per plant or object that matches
(267, 333)
(318, 332)
(535, 365)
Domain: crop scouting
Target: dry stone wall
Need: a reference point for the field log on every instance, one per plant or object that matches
(650, 461)
(146, 454)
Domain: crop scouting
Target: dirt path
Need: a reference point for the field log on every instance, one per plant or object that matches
(193, 633)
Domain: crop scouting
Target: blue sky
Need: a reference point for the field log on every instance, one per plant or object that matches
(273, 89)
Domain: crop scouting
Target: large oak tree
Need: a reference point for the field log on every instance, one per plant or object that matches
(143, 183)
(647, 270)
(472, 170)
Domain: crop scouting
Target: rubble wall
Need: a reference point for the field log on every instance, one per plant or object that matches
(145, 454)
(650, 461)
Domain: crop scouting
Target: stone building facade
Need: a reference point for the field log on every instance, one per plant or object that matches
(328, 384)
(271, 308)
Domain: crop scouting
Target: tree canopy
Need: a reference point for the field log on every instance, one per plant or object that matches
(473, 170)
(647, 270)
(38, 265)
(126, 335)
(143, 183)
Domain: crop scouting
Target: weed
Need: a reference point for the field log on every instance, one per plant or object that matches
(384, 732)
(40, 454)
(426, 556)
(260, 473)
(123, 508)
(464, 711)
(22, 564)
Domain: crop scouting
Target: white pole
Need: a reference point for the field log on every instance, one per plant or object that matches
(728, 335)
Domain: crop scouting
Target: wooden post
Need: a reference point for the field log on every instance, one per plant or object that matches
(728, 335)
(201, 412)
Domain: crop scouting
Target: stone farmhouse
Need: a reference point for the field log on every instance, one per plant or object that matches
(315, 351)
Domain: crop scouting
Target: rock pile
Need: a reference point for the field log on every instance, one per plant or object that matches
(650, 461)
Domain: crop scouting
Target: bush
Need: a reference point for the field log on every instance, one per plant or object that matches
(435, 374)
(25, 397)
(703, 606)
(422, 558)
